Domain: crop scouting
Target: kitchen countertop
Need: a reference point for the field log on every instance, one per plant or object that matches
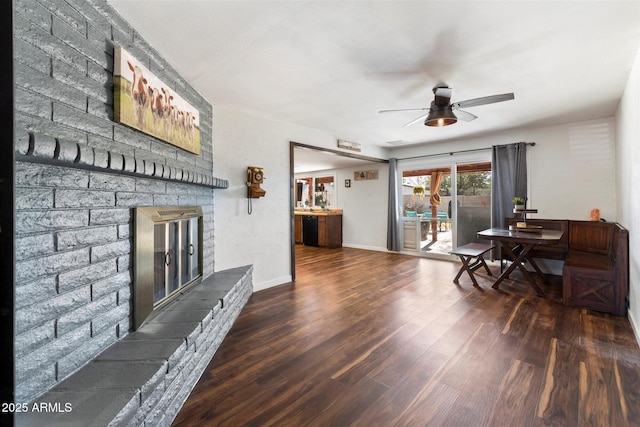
(318, 212)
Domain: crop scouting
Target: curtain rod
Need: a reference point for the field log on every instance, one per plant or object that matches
(451, 153)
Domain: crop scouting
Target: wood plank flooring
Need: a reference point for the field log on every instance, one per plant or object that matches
(365, 338)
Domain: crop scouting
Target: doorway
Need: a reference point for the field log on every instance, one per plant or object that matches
(305, 158)
(444, 204)
(426, 213)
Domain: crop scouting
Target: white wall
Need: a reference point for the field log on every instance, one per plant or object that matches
(264, 237)
(628, 183)
(365, 208)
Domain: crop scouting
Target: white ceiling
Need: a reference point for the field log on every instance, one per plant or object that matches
(332, 65)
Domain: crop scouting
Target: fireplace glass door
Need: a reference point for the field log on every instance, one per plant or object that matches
(175, 255)
(167, 256)
(194, 249)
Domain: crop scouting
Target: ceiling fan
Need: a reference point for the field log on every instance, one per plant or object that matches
(441, 112)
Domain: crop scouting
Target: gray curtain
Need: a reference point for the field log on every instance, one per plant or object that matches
(508, 180)
(393, 224)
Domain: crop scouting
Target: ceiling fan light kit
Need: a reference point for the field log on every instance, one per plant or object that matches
(441, 111)
(440, 116)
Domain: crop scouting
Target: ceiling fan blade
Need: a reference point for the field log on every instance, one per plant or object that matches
(464, 115)
(404, 109)
(482, 101)
(422, 117)
(443, 96)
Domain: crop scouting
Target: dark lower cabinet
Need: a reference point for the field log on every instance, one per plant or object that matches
(330, 231)
(310, 230)
(319, 230)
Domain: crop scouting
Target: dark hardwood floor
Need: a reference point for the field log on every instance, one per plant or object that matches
(368, 338)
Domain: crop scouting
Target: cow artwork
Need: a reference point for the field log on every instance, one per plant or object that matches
(144, 102)
(139, 95)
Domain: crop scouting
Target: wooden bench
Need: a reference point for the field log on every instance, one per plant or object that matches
(595, 274)
(467, 253)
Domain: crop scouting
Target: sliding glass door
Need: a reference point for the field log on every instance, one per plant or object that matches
(444, 203)
(473, 201)
(426, 220)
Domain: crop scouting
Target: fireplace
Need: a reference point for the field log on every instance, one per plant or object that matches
(167, 256)
(79, 285)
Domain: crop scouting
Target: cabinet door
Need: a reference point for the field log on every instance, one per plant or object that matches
(334, 231)
(298, 229)
(322, 231)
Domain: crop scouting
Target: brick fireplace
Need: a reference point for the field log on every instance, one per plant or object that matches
(79, 179)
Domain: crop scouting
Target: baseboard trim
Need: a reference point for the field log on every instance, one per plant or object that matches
(634, 326)
(365, 247)
(271, 283)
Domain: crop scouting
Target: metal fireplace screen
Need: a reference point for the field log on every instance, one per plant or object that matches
(168, 256)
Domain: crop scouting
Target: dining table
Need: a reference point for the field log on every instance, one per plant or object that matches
(517, 244)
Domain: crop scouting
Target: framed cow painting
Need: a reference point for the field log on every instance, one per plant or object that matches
(144, 102)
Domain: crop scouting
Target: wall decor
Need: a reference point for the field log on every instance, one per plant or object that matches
(365, 175)
(348, 145)
(144, 102)
(347, 183)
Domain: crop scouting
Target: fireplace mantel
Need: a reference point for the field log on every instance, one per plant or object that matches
(40, 148)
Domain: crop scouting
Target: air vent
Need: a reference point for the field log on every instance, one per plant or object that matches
(398, 142)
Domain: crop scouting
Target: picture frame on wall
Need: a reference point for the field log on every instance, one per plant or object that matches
(146, 103)
(365, 175)
(347, 183)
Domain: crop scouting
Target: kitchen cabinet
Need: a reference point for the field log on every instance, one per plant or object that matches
(329, 228)
(298, 228)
